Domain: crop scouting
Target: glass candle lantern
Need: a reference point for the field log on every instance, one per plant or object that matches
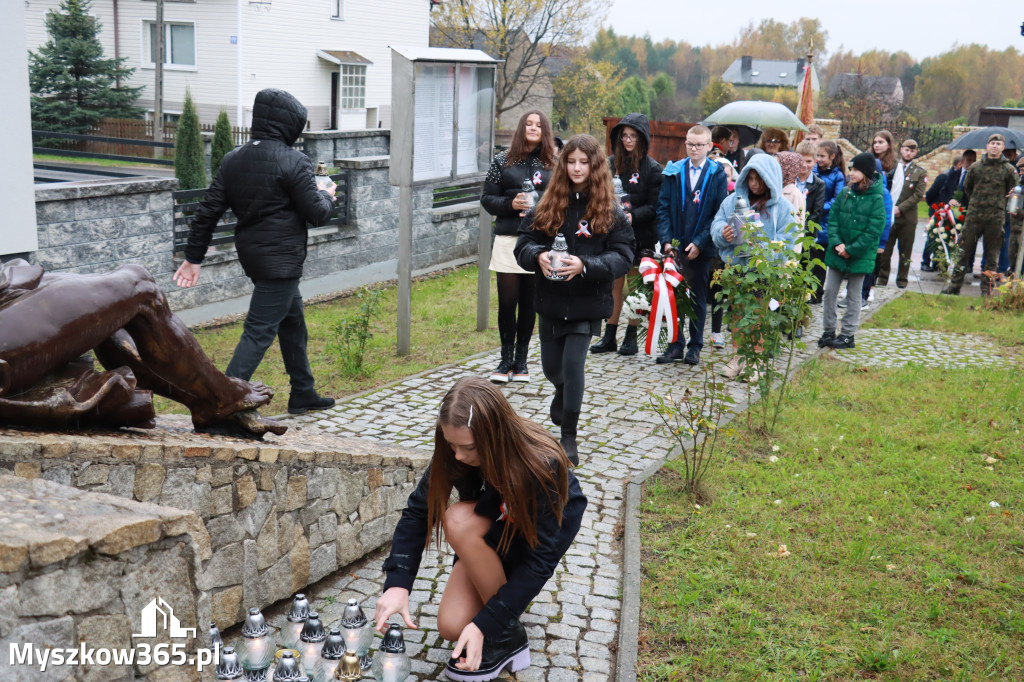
(391, 663)
(311, 641)
(288, 637)
(358, 632)
(255, 650)
(215, 639)
(349, 670)
(288, 668)
(330, 657)
(229, 667)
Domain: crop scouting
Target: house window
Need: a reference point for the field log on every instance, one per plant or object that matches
(337, 9)
(179, 43)
(353, 86)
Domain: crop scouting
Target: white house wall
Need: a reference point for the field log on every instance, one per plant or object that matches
(279, 40)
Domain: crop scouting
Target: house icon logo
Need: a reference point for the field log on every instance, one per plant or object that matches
(158, 611)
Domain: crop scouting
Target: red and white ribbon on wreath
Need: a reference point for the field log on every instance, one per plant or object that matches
(666, 277)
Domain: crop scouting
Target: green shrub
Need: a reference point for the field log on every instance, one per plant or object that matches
(189, 160)
(222, 142)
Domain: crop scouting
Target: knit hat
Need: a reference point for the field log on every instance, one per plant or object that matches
(865, 163)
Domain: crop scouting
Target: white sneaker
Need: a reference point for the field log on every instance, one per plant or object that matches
(717, 340)
(841, 303)
(871, 296)
(865, 306)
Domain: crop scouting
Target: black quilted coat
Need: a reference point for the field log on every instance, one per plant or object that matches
(270, 188)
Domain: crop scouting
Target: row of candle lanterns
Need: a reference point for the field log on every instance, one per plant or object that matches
(306, 652)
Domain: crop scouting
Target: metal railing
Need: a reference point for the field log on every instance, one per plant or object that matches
(187, 201)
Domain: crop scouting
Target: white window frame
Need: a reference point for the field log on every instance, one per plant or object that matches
(361, 84)
(338, 10)
(147, 47)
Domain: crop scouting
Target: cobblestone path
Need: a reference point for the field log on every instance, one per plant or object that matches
(573, 622)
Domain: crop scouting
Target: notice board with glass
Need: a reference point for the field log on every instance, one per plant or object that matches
(442, 114)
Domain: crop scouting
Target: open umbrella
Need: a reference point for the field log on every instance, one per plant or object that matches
(757, 114)
(977, 139)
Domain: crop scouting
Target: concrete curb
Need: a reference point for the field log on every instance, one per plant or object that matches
(629, 616)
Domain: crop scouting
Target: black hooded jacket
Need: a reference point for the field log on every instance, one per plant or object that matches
(504, 182)
(271, 189)
(642, 184)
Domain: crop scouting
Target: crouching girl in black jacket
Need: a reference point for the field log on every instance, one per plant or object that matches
(581, 205)
(519, 509)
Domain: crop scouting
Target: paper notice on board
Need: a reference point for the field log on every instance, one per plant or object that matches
(435, 115)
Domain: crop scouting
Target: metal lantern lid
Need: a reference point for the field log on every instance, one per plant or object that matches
(215, 638)
(313, 630)
(741, 206)
(349, 669)
(288, 668)
(255, 624)
(393, 642)
(229, 668)
(353, 616)
(334, 645)
(300, 609)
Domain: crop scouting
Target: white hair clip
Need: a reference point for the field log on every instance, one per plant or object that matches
(469, 423)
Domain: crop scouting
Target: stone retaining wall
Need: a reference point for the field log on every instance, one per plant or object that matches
(78, 569)
(279, 516)
(328, 145)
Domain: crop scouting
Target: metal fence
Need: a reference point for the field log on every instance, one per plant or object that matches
(928, 138)
(187, 201)
(457, 194)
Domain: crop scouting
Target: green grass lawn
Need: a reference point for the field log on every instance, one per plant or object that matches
(443, 331)
(899, 567)
(44, 158)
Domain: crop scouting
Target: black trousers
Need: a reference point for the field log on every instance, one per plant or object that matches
(563, 353)
(275, 310)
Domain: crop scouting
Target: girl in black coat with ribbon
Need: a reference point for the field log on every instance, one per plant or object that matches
(641, 180)
(580, 204)
(528, 159)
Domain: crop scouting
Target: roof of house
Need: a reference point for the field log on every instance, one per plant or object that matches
(767, 72)
(856, 84)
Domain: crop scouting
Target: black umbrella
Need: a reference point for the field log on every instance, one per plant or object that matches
(977, 139)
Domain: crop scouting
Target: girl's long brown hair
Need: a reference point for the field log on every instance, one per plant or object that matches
(836, 152)
(601, 202)
(518, 458)
(888, 159)
(520, 148)
(629, 162)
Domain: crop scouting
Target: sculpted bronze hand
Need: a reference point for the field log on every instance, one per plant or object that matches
(49, 321)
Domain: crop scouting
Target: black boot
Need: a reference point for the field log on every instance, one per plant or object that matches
(570, 420)
(607, 342)
(556, 407)
(628, 346)
(503, 373)
(511, 649)
(520, 372)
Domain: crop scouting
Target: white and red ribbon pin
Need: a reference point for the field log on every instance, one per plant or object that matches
(584, 230)
(634, 178)
(696, 196)
(666, 277)
(536, 178)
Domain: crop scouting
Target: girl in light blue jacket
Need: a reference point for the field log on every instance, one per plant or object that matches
(760, 183)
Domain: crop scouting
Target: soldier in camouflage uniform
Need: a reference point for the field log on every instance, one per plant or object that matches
(987, 184)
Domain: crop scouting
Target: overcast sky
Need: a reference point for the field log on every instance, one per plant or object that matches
(923, 29)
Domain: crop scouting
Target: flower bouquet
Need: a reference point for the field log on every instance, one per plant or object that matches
(655, 294)
(944, 227)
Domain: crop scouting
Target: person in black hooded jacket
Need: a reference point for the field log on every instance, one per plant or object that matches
(641, 181)
(579, 205)
(528, 160)
(271, 189)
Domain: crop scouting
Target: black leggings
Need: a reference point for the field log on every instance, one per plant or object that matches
(562, 359)
(515, 292)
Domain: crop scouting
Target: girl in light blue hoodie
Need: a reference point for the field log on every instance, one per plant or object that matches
(760, 183)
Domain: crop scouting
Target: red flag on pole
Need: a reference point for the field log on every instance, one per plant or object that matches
(805, 107)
